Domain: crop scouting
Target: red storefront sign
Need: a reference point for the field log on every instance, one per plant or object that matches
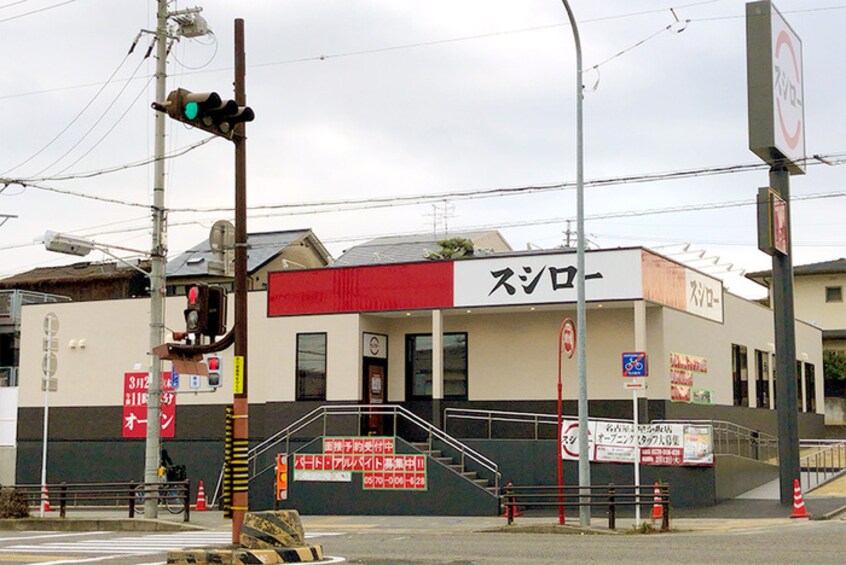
(361, 289)
(135, 406)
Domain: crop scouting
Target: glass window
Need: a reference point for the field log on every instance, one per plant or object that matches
(740, 375)
(762, 384)
(419, 366)
(810, 387)
(834, 294)
(311, 366)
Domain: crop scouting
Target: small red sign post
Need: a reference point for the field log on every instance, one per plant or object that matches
(566, 344)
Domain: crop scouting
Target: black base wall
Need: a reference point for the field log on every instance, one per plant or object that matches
(526, 462)
(85, 446)
(447, 494)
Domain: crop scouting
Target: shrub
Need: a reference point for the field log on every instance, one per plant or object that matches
(13, 504)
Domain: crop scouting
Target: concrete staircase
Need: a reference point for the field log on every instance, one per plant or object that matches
(455, 466)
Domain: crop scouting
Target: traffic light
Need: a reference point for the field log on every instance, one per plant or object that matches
(197, 311)
(214, 371)
(216, 316)
(205, 110)
(206, 311)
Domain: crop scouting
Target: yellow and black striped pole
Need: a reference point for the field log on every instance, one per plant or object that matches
(227, 466)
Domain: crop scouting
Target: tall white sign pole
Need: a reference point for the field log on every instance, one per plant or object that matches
(49, 364)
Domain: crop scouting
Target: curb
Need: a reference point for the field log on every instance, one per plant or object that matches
(830, 515)
(303, 554)
(94, 525)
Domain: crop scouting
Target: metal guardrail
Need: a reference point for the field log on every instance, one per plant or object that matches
(492, 416)
(611, 496)
(729, 438)
(175, 494)
(824, 460)
(12, 300)
(733, 439)
(322, 415)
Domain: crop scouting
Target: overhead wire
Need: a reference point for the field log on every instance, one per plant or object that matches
(73, 121)
(436, 42)
(98, 120)
(38, 11)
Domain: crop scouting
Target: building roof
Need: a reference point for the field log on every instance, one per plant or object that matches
(837, 266)
(263, 247)
(76, 272)
(410, 248)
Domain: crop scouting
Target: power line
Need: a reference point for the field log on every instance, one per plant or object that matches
(376, 50)
(73, 121)
(97, 121)
(33, 11)
(386, 201)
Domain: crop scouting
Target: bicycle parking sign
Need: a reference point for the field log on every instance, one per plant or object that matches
(635, 364)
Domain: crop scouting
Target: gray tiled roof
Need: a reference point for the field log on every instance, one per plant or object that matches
(262, 248)
(397, 249)
(822, 268)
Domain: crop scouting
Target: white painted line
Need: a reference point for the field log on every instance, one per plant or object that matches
(88, 560)
(41, 536)
(326, 559)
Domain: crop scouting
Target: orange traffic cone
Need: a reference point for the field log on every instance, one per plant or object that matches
(45, 499)
(799, 510)
(201, 499)
(512, 501)
(657, 506)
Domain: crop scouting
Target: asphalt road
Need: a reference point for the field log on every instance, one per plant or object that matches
(794, 542)
(446, 541)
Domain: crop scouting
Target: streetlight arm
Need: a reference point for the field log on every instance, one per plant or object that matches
(70, 245)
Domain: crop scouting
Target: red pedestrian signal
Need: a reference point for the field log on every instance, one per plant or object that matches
(213, 363)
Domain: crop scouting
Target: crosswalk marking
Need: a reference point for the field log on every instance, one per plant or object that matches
(128, 545)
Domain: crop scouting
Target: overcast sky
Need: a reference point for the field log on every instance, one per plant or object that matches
(364, 99)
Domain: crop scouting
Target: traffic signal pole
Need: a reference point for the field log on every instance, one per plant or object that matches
(240, 435)
(158, 254)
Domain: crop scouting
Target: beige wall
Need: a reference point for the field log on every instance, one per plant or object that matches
(746, 323)
(512, 356)
(810, 304)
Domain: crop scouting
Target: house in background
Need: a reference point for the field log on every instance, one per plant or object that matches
(85, 280)
(267, 251)
(818, 298)
(404, 249)
(818, 294)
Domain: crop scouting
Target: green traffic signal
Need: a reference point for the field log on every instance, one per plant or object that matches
(192, 109)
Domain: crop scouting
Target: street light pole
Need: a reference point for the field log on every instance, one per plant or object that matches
(581, 325)
(157, 259)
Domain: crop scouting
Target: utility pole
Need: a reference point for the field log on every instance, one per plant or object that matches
(240, 403)
(158, 253)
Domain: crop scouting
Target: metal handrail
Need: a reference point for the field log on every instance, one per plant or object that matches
(741, 441)
(729, 438)
(825, 462)
(325, 412)
(491, 416)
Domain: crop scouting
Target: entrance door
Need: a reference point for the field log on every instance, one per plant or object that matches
(374, 393)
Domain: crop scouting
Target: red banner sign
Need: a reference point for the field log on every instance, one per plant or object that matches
(373, 457)
(135, 406)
